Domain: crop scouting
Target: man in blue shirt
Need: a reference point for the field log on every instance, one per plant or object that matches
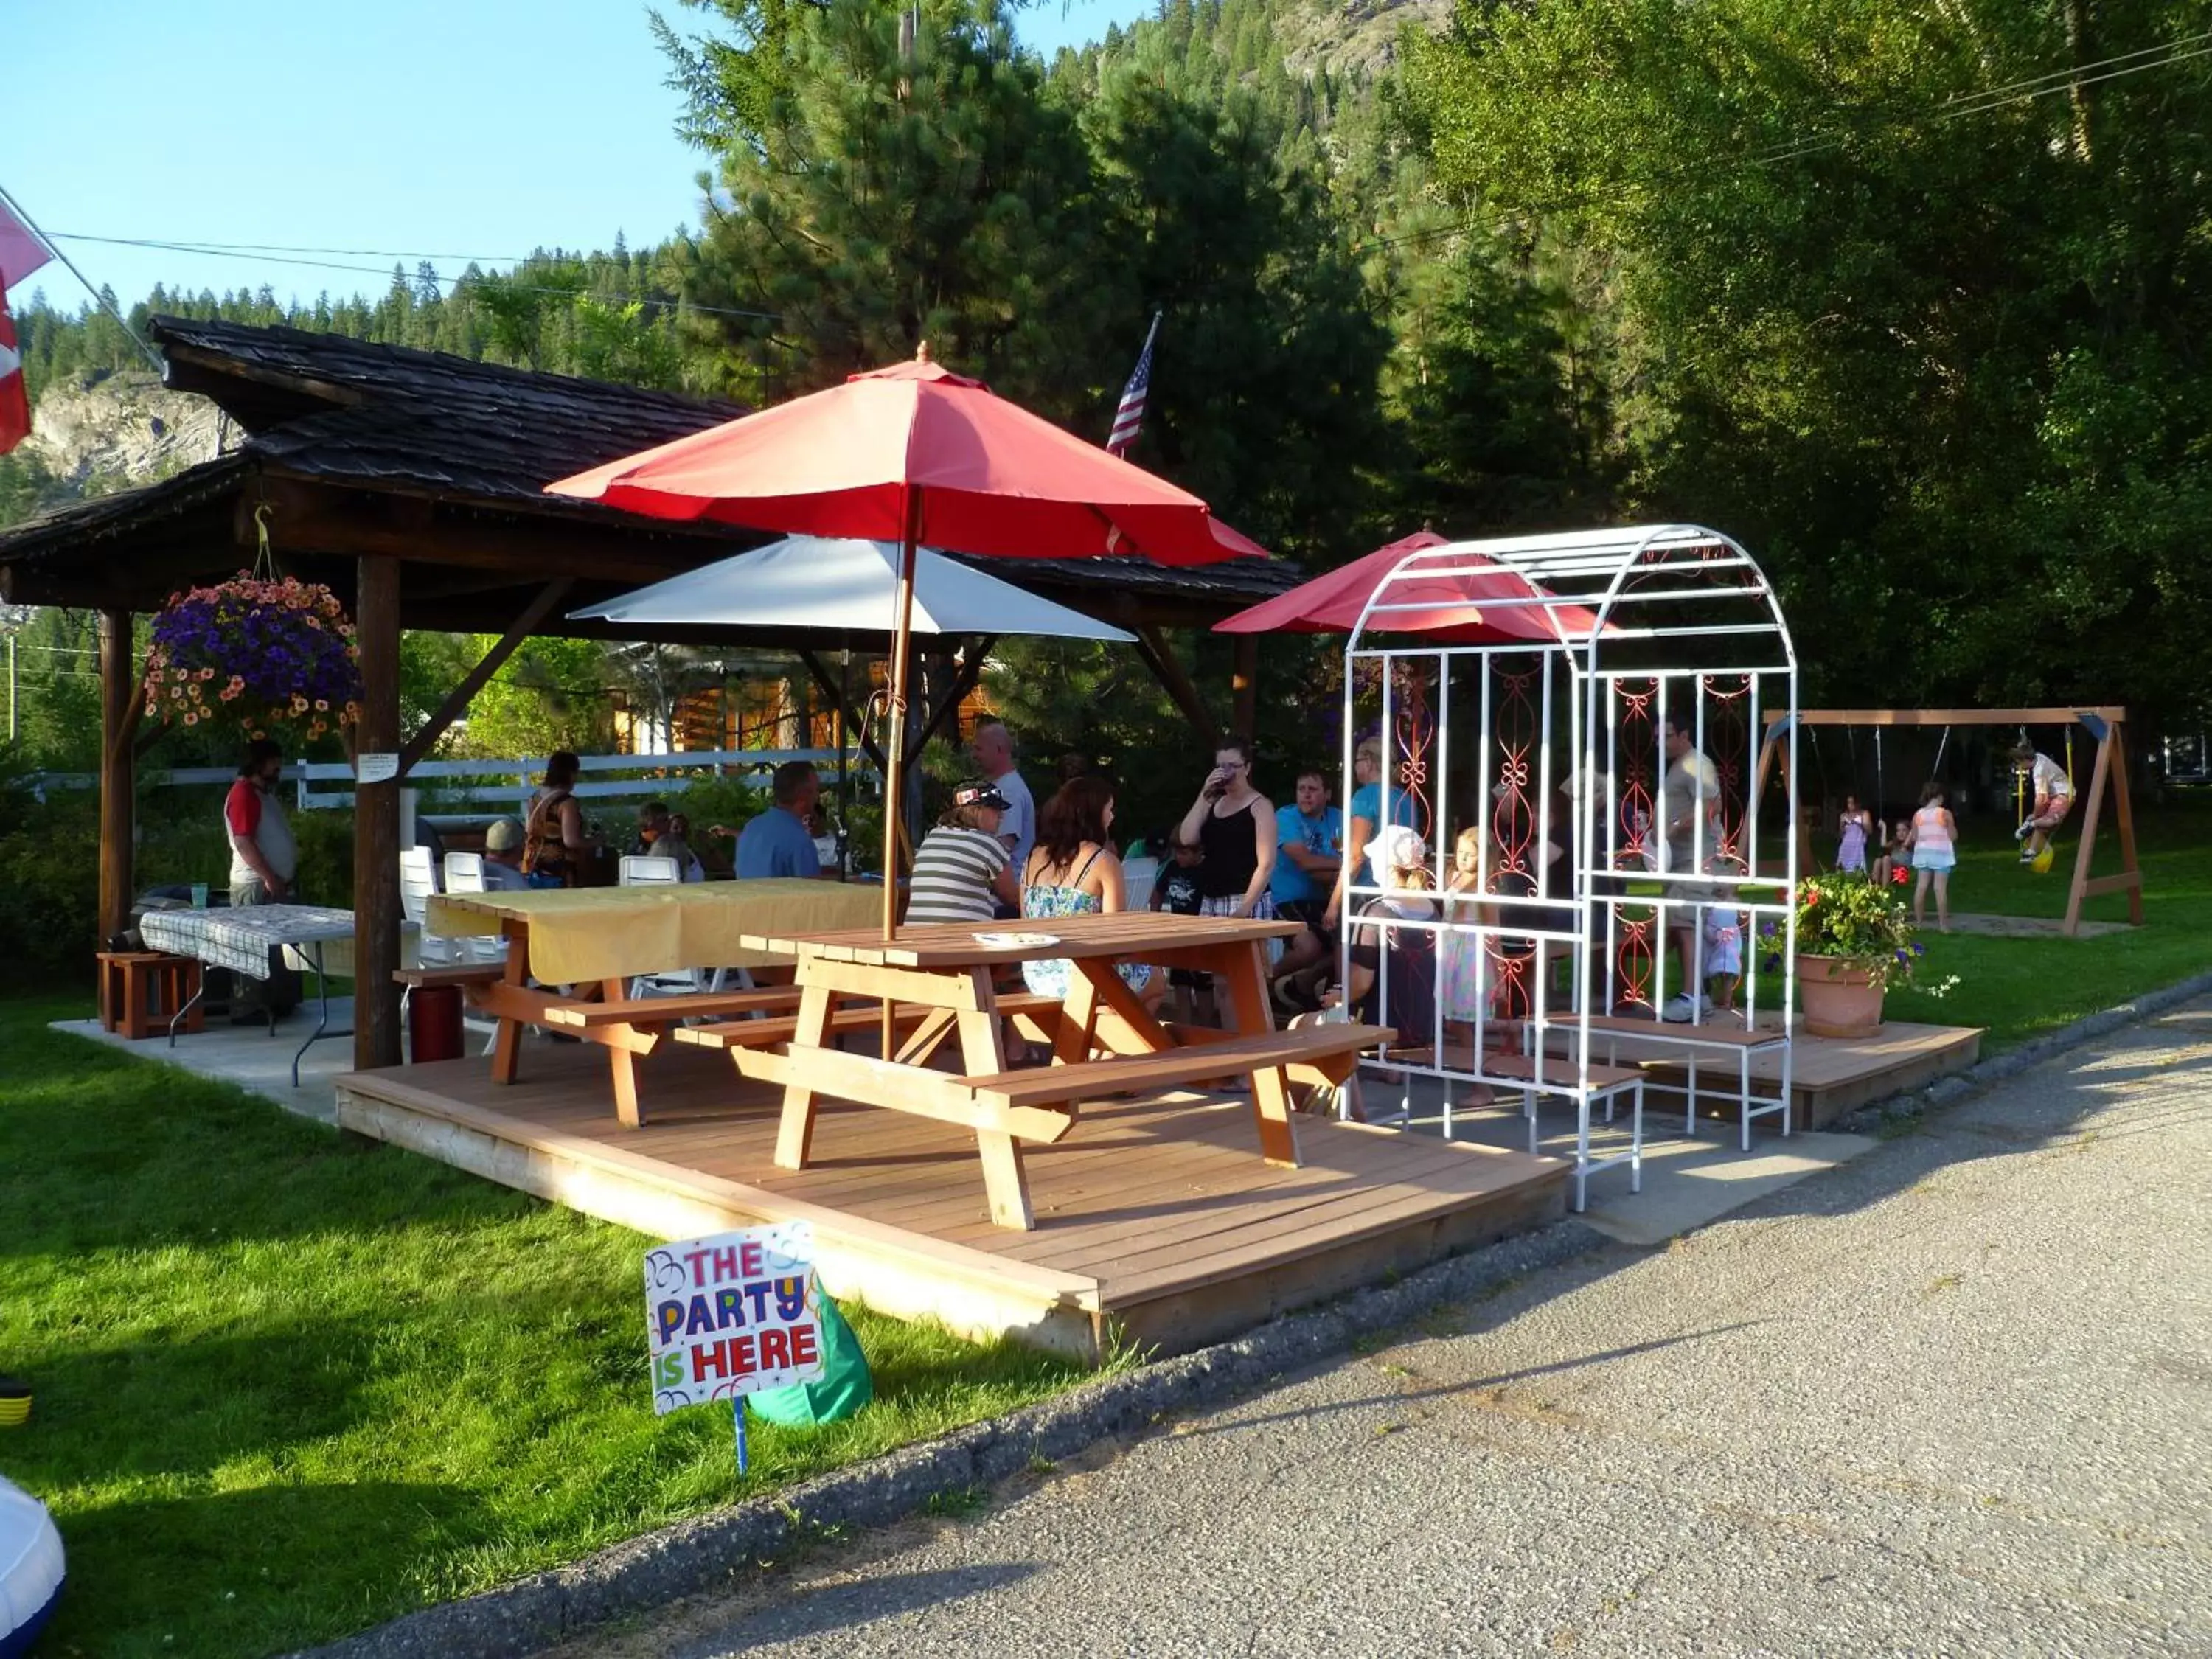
(1309, 851)
(1368, 806)
(780, 841)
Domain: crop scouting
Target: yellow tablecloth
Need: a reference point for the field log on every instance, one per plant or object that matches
(580, 933)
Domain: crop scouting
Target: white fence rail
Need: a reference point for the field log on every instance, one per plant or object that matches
(505, 786)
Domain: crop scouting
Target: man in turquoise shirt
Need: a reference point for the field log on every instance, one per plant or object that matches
(1309, 851)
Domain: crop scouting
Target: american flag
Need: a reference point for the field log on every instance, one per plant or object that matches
(1131, 415)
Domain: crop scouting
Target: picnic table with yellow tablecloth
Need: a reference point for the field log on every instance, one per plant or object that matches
(579, 934)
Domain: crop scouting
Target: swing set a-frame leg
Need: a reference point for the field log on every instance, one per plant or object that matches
(2111, 762)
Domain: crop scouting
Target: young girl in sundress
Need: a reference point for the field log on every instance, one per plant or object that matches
(1073, 871)
(1463, 977)
(1854, 829)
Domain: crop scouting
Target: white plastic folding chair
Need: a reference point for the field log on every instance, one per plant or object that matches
(1138, 876)
(418, 881)
(464, 874)
(649, 870)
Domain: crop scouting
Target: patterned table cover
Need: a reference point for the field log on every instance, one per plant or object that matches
(241, 939)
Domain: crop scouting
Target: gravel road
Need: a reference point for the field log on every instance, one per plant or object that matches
(1954, 1397)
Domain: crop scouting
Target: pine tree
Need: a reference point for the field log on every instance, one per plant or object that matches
(944, 199)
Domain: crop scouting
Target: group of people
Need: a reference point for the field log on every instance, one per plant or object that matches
(1233, 854)
(1927, 843)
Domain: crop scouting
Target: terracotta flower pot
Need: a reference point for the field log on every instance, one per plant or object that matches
(1839, 996)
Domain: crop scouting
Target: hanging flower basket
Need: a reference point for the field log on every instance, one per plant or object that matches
(260, 653)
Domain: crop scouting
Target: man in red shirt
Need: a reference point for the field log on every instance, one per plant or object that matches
(261, 856)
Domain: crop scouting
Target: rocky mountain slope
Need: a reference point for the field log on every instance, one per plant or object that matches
(123, 429)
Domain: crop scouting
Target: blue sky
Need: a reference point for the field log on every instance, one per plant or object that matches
(440, 127)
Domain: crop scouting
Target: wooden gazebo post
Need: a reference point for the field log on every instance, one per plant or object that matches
(376, 818)
(118, 732)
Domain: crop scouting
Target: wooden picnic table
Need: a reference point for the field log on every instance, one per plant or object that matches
(949, 970)
(598, 939)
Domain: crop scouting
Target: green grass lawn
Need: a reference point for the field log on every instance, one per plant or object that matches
(2022, 987)
(290, 1385)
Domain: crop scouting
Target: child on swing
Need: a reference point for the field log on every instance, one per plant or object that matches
(1855, 832)
(2052, 793)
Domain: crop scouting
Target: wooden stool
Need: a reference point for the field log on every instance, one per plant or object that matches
(140, 991)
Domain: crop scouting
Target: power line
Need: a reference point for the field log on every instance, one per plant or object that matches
(2083, 69)
(1976, 103)
(214, 251)
(288, 247)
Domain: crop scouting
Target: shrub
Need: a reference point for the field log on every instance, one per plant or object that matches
(49, 899)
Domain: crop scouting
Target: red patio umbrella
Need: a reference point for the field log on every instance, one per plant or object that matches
(1333, 602)
(915, 454)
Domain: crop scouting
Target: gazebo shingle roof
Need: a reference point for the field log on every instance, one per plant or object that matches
(474, 438)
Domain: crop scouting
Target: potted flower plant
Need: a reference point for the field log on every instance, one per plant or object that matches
(1854, 941)
(259, 652)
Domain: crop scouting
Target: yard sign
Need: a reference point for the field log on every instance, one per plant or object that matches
(731, 1314)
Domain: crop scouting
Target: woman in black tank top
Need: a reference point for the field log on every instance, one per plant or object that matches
(1230, 842)
(1234, 825)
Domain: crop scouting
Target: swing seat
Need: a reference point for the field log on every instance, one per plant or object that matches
(2044, 859)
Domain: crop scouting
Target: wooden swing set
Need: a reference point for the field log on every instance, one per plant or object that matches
(2102, 723)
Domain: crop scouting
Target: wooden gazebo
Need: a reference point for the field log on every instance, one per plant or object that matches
(410, 481)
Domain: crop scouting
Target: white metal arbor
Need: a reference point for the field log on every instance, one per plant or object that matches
(1535, 733)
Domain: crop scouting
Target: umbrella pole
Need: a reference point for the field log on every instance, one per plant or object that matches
(894, 745)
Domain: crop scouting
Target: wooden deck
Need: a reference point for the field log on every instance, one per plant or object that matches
(1155, 1218)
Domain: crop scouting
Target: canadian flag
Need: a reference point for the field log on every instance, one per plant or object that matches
(22, 251)
(15, 401)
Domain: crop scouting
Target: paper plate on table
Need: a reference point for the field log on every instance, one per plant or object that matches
(1016, 941)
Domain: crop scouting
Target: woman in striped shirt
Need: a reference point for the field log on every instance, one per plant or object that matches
(962, 871)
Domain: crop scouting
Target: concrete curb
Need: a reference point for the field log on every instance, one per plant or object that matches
(1949, 1090)
(694, 1557)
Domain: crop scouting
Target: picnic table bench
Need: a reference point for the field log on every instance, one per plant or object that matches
(949, 968)
(1328, 1053)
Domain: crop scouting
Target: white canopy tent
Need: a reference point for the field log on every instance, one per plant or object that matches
(813, 585)
(818, 582)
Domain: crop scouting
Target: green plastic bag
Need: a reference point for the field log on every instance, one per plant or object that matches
(846, 1383)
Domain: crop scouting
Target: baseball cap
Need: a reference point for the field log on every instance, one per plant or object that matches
(504, 835)
(982, 793)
